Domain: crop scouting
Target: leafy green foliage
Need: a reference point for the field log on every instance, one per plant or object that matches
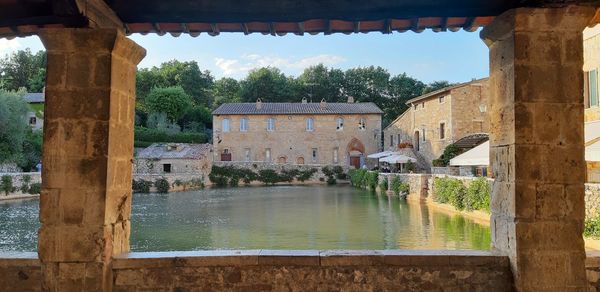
(330, 174)
(383, 185)
(6, 184)
(141, 186)
(452, 191)
(450, 152)
(358, 177)
(592, 227)
(25, 180)
(173, 101)
(162, 185)
(35, 189)
(399, 187)
(23, 69)
(269, 176)
(371, 180)
(158, 136)
(13, 127)
(436, 85)
(339, 172)
(478, 195)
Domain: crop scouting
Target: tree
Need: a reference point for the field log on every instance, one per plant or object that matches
(268, 84)
(226, 90)
(23, 69)
(367, 84)
(436, 85)
(318, 82)
(401, 88)
(173, 101)
(196, 119)
(13, 127)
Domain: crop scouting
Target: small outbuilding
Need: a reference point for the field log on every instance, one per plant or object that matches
(176, 158)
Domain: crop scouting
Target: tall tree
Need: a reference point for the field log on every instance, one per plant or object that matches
(13, 127)
(436, 85)
(268, 84)
(173, 101)
(23, 69)
(401, 88)
(226, 90)
(319, 82)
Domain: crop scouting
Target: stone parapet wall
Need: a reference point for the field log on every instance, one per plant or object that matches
(9, 167)
(257, 166)
(445, 170)
(417, 183)
(17, 179)
(592, 200)
(172, 178)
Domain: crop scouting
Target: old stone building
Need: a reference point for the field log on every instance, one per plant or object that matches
(591, 65)
(440, 118)
(35, 115)
(175, 158)
(297, 133)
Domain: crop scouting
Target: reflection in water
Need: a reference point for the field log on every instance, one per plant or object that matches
(282, 217)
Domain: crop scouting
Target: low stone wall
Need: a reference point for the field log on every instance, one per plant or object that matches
(17, 179)
(592, 200)
(257, 166)
(184, 178)
(417, 183)
(20, 272)
(445, 170)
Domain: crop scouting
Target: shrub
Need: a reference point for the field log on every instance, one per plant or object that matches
(25, 180)
(478, 195)
(269, 176)
(371, 179)
(162, 185)
(450, 152)
(305, 175)
(410, 166)
(197, 183)
(140, 186)
(339, 172)
(358, 177)
(399, 187)
(383, 185)
(289, 174)
(35, 189)
(6, 184)
(330, 174)
(450, 190)
(592, 227)
(145, 136)
(217, 180)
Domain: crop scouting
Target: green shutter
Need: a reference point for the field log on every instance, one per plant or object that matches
(593, 87)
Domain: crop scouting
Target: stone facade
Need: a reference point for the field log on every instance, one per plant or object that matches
(592, 200)
(418, 187)
(291, 143)
(462, 110)
(174, 158)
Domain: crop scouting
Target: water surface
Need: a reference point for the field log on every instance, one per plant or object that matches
(282, 217)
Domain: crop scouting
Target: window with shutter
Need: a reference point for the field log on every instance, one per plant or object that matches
(593, 84)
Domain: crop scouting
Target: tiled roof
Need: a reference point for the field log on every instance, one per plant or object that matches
(288, 108)
(34, 97)
(445, 89)
(179, 151)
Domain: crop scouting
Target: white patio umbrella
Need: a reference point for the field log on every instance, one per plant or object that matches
(398, 158)
(380, 154)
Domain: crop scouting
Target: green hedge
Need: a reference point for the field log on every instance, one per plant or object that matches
(399, 187)
(592, 227)
(143, 136)
(452, 191)
(383, 185)
(230, 175)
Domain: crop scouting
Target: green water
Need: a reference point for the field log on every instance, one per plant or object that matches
(283, 217)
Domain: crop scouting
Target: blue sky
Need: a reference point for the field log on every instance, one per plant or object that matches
(428, 56)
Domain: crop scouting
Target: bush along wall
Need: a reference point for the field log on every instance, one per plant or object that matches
(453, 191)
(399, 188)
(230, 175)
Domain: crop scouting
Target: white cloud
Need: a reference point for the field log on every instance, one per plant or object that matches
(288, 65)
(8, 46)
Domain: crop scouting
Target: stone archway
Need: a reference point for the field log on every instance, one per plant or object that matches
(355, 151)
(282, 160)
(300, 160)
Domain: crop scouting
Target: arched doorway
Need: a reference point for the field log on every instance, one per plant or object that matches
(416, 141)
(300, 160)
(356, 153)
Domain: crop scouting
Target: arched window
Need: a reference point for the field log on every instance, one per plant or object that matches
(339, 124)
(362, 124)
(310, 124)
(225, 125)
(271, 124)
(244, 125)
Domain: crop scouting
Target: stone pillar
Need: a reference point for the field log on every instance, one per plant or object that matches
(85, 203)
(537, 145)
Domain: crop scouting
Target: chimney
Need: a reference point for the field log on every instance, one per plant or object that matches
(350, 99)
(304, 100)
(323, 104)
(259, 103)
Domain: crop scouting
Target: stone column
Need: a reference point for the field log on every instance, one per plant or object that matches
(85, 203)
(537, 145)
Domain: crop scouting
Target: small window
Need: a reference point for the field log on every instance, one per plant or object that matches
(442, 131)
(310, 124)
(398, 139)
(442, 99)
(271, 124)
(244, 125)
(268, 155)
(247, 155)
(335, 155)
(593, 87)
(314, 155)
(339, 124)
(423, 134)
(32, 121)
(391, 140)
(225, 125)
(167, 168)
(423, 105)
(362, 124)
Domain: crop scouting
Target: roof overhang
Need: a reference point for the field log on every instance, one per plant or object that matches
(275, 17)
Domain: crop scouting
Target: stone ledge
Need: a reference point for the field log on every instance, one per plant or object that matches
(309, 258)
(19, 259)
